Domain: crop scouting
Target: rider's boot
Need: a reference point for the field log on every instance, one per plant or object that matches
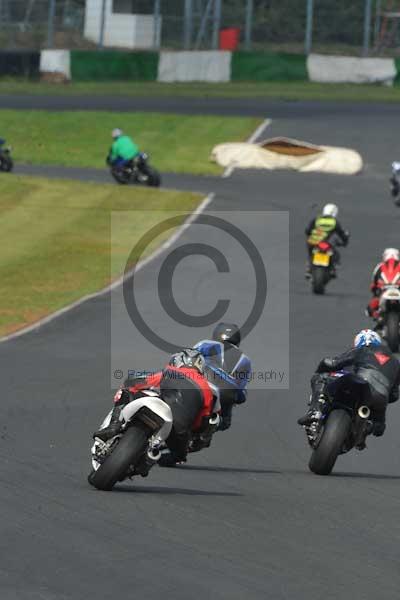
(378, 428)
(225, 417)
(318, 403)
(170, 458)
(177, 449)
(114, 426)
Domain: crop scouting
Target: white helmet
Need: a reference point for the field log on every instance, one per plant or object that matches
(390, 253)
(116, 133)
(367, 337)
(330, 210)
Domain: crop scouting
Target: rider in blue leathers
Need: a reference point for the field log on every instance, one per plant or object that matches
(228, 368)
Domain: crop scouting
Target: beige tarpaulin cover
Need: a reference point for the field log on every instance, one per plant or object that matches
(287, 153)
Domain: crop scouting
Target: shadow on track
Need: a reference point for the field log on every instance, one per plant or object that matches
(366, 476)
(230, 470)
(171, 491)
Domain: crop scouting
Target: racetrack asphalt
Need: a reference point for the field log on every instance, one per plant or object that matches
(244, 519)
(258, 107)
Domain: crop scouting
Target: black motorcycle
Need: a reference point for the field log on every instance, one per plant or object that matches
(137, 170)
(6, 162)
(345, 423)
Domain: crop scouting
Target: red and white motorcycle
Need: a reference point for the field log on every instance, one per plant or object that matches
(146, 424)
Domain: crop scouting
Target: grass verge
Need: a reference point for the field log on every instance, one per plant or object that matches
(176, 143)
(271, 90)
(56, 244)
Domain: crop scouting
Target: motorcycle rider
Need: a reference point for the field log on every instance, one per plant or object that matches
(373, 363)
(228, 368)
(184, 387)
(123, 149)
(387, 272)
(323, 228)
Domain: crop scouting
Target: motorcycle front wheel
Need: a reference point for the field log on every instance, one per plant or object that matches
(336, 431)
(153, 177)
(125, 453)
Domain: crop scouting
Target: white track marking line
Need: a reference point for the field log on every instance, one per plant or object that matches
(256, 134)
(171, 240)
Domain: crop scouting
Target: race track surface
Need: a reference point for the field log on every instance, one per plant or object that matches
(258, 107)
(244, 519)
(191, 183)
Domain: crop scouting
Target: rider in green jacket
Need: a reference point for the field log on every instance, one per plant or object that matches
(123, 149)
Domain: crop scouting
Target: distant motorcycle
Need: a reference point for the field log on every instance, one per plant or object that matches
(147, 422)
(6, 162)
(389, 316)
(138, 170)
(344, 426)
(394, 182)
(322, 266)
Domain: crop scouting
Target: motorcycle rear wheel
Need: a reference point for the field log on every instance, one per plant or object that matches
(6, 164)
(127, 452)
(120, 176)
(318, 280)
(392, 330)
(336, 431)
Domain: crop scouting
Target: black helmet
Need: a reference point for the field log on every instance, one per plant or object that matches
(227, 332)
(188, 358)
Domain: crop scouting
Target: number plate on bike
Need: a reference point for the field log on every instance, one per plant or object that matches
(320, 259)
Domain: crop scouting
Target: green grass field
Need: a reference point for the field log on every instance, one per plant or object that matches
(274, 90)
(56, 240)
(176, 143)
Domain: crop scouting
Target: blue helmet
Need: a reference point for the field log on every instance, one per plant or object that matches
(367, 337)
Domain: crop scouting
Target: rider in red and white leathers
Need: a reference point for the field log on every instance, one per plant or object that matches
(184, 387)
(387, 272)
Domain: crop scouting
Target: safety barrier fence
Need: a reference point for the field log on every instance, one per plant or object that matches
(185, 66)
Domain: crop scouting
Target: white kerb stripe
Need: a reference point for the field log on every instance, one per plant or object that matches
(254, 136)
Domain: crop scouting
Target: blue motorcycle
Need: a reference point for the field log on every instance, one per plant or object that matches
(345, 423)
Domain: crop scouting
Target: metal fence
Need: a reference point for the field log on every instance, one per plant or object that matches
(34, 24)
(369, 27)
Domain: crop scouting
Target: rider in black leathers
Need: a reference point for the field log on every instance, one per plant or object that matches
(371, 361)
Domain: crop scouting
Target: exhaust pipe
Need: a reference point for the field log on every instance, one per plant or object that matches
(364, 412)
(214, 419)
(154, 454)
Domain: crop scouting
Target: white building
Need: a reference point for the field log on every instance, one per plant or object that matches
(122, 28)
